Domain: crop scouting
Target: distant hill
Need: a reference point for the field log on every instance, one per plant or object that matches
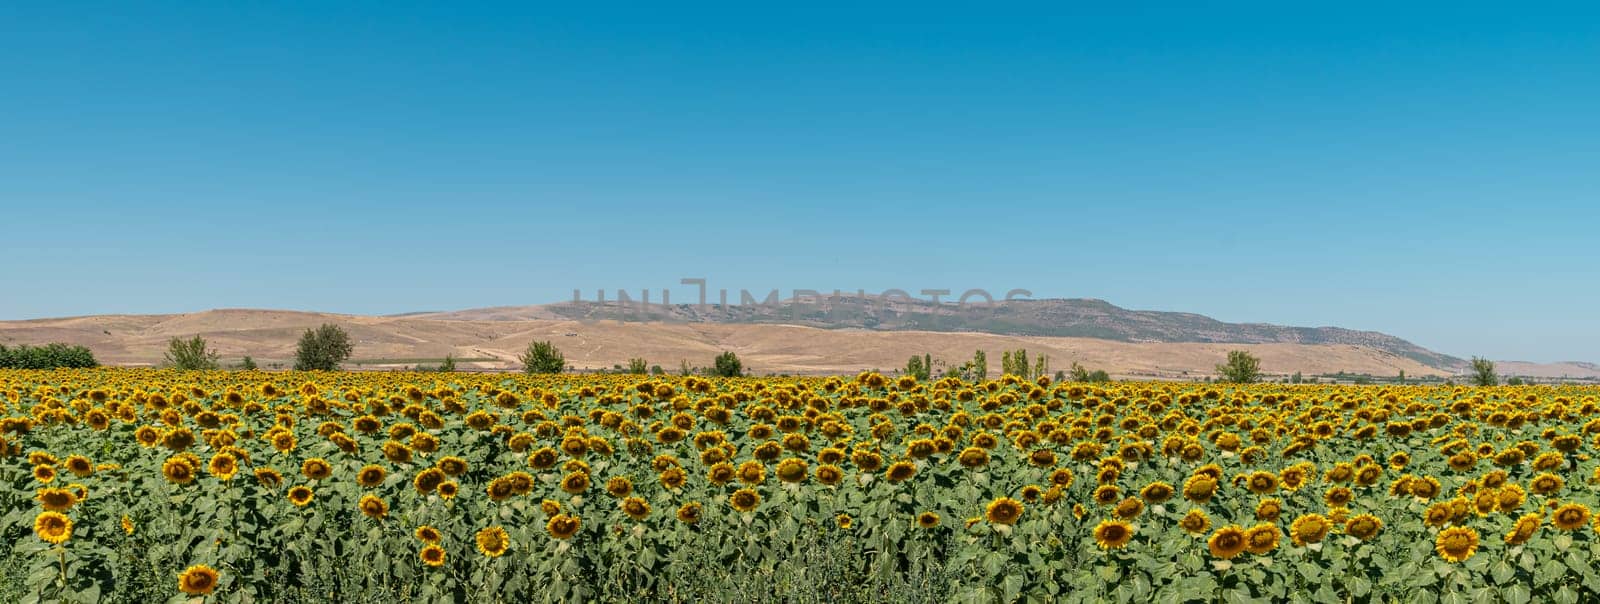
(1070, 318)
(838, 336)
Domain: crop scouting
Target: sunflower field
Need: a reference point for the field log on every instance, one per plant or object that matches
(137, 485)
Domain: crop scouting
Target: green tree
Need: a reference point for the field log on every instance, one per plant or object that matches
(727, 365)
(1041, 366)
(637, 366)
(657, 370)
(322, 349)
(918, 368)
(1515, 381)
(1483, 372)
(980, 365)
(1081, 374)
(542, 357)
(1015, 363)
(247, 363)
(449, 363)
(49, 356)
(190, 354)
(1241, 368)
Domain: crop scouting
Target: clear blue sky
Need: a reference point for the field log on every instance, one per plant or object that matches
(1430, 170)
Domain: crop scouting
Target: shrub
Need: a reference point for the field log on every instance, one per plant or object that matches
(322, 349)
(542, 357)
(190, 354)
(1241, 368)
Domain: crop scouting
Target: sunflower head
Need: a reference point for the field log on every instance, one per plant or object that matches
(1112, 534)
(432, 555)
(492, 541)
(927, 520)
(427, 534)
(1195, 522)
(689, 513)
(562, 526)
(1227, 542)
(1262, 538)
(1004, 510)
(300, 495)
(744, 500)
(198, 580)
(1363, 527)
(1308, 529)
(1570, 516)
(1456, 544)
(52, 527)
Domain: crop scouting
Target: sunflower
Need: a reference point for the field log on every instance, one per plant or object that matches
(1113, 534)
(1456, 544)
(1107, 494)
(541, 459)
(432, 555)
(300, 495)
(1262, 483)
(1262, 538)
(1425, 487)
(52, 527)
(44, 474)
(1363, 527)
(1546, 484)
(1196, 522)
(127, 524)
(1199, 488)
(830, 475)
(752, 472)
(1570, 516)
(1269, 509)
(689, 513)
(562, 526)
(492, 541)
(198, 580)
(56, 500)
(268, 478)
(574, 483)
(927, 520)
(79, 465)
(673, 478)
(1227, 542)
(428, 480)
(900, 471)
(721, 473)
(177, 470)
(973, 457)
(316, 468)
(792, 470)
(427, 534)
(744, 500)
(499, 489)
(619, 487)
(1156, 492)
(844, 521)
(1004, 510)
(448, 489)
(373, 507)
(148, 436)
(1338, 496)
(1310, 528)
(1129, 508)
(1524, 529)
(635, 508)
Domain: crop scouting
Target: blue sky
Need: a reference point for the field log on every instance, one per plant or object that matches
(1427, 170)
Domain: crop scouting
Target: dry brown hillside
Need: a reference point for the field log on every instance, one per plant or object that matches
(384, 342)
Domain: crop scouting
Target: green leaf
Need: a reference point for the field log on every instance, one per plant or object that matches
(1516, 594)
(1502, 572)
